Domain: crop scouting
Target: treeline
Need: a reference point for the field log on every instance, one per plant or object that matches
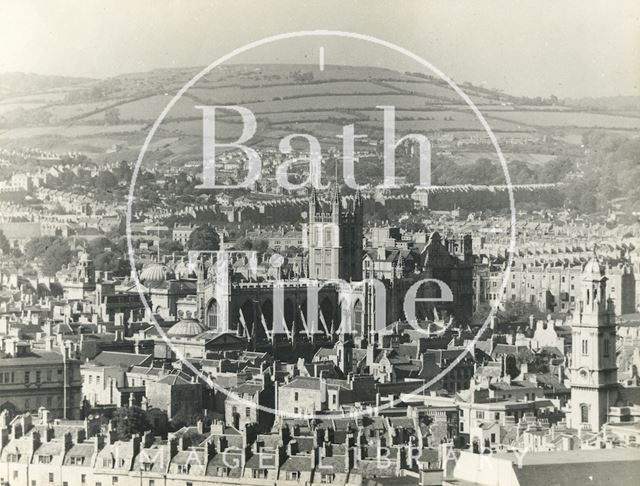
(610, 172)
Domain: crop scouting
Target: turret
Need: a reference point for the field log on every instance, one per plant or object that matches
(357, 202)
(593, 305)
(336, 204)
(314, 204)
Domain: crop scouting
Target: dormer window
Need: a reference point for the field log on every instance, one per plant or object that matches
(44, 459)
(77, 460)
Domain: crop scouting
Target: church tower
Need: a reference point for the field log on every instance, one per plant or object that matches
(334, 236)
(594, 374)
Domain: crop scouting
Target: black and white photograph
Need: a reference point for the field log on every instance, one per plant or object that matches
(305, 243)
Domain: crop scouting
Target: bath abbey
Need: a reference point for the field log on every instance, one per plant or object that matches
(359, 287)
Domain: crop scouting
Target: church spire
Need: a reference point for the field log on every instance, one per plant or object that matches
(314, 203)
(357, 200)
(336, 198)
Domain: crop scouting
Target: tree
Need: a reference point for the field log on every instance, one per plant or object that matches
(258, 244)
(480, 315)
(5, 247)
(106, 181)
(112, 116)
(204, 238)
(109, 255)
(244, 243)
(57, 254)
(169, 245)
(52, 251)
(36, 247)
(128, 421)
(519, 311)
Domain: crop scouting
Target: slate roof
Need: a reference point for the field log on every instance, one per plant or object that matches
(114, 358)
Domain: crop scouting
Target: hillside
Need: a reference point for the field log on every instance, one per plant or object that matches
(109, 118)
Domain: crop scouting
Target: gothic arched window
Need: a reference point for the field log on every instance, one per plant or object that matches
(357, 316)
(328, 240)
(212, 314)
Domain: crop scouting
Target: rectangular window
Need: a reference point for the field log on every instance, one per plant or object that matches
(38, 376)
(605, 346)
(585, 347)
(295, 396)
(27, 377)
(326, 478)
(247, 412)
(51, 477)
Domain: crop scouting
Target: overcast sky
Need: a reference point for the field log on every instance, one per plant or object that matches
(533, 47)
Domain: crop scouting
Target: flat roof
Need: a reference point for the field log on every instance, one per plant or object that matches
(574, 456)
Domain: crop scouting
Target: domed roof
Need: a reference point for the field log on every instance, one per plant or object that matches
(186, 327)
(155, 273)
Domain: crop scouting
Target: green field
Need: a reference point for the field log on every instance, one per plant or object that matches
(78, 114)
